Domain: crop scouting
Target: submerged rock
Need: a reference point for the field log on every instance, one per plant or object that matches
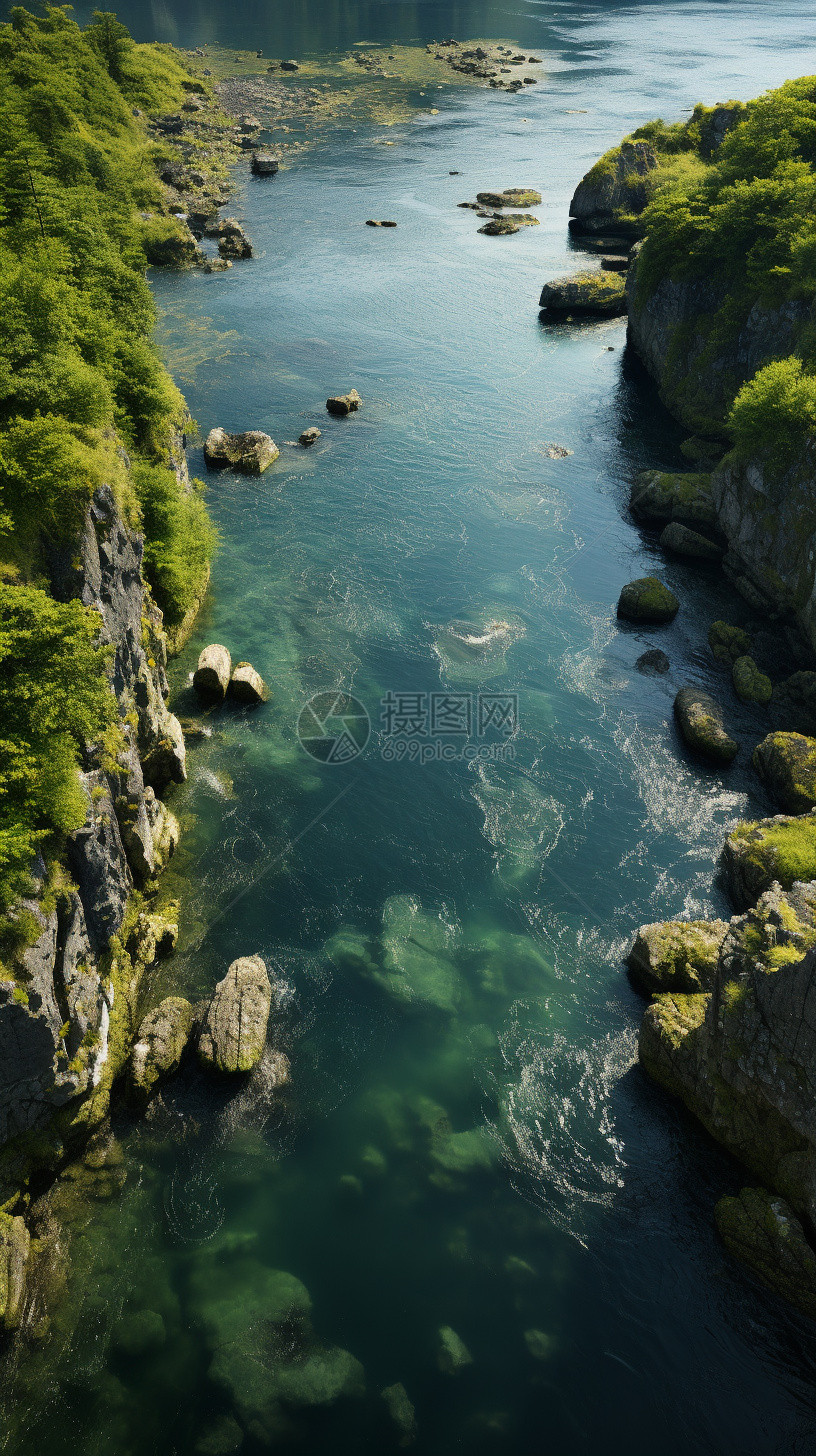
(247, 686)
(647, 600)
(343, 404)
(760, 852)
(764, 1232)
(160, 1044)
(680, 540)
(539, 1344)
(212, 675)
(585, 293)
(251, 452)
(140, 1333)
(653, 663)
(728, 643)
(700, 720)
(749, 683)
(786, 762)
(453, 1354)
(233, 1034)
(676, 955)
(401, 1411)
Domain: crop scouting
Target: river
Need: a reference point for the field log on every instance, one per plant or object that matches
(488, 1158)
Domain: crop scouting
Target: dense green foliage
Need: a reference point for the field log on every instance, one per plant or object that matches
(53, 697)
(84, 398)
(775, 411)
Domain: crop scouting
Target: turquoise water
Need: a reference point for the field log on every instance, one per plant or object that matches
(485, 1156)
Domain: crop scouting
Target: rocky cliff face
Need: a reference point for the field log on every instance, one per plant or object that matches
(62, 1015)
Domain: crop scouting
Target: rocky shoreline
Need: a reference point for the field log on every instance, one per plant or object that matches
(730, 1028)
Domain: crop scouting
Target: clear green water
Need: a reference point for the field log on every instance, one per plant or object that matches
(490, 1160)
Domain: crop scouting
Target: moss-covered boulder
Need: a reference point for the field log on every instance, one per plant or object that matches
(453, 1354)
(759, 852)
(676, 955)
(764, 1232)
(233, 1033)
(728, 643)
(615, 191)
(401, 1411)
(510, 197)
(700, 720)
(658, 497)
(647, 600)
(600, 293)
(160, 1044)
(786, 763)
(653, 663)
(680, 540)
(749, 683)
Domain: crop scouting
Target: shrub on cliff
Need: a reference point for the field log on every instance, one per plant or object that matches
(774, 414)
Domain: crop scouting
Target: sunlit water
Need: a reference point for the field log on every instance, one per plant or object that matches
(486, 1156)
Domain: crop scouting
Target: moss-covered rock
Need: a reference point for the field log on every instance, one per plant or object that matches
(160, 1044)
(658, 497)
(700, 720)
(676, 955)
(539, 1344)
(759, 852)
(749, 683)
(401, 1411)
(647, 600)
(653, 663)
(764, 1232)
(681, 540)
(786, 763)
(728, 643)
(233, 1033)
(598, 293)
(15, 1244)
(453, 1354)
(615, 191)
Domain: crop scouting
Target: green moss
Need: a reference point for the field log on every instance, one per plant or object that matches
(749, 683)
(728, 643)
(783, 850)
(647, 600)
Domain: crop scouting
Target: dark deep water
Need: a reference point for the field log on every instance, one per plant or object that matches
(494, 1161)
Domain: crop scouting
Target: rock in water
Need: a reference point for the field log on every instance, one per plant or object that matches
(309, 437)
(211, 677)
(749, 683)
(233, 242)
(765, 1233)
(264, 164)
(233, 1035)
(246, 685)
(453, 1354)
(510, 197)
(251, 452)
(401, 1411)
(161, 1040)
(758, 853)
(499, 227)
(658, 496)
(786, 762)
(676, 955)
(700, 720)
(728, 643)
(343, 404)
(680, 540)
(647, 600)
(653, 663)
(615, 191)
(585, 293)
(14, 1248)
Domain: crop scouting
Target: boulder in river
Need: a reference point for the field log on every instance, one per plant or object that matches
(247, 686)
(676, 955)
(264, 164)
(309, 437)
(728, 643)
(700, 720)
(786, 762)
(647, 600)
(680, 540)
(250, 452)
(343, 404)
(600, 294)
(160, 1043)
(211, 677)
(233, 1033)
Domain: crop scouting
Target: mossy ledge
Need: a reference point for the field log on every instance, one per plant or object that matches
(104, 544)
